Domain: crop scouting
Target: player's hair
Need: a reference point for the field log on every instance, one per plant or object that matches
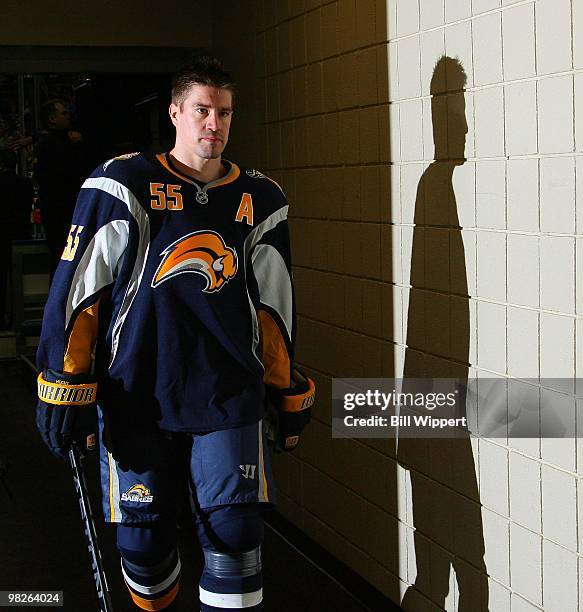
(205, 70)
(48, 109)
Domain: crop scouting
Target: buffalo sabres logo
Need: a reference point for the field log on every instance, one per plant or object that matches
(138, 493)
(119, 157)
(203, 253)
(254, 174)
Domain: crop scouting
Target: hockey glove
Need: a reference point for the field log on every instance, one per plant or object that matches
(288, 412)
(65, 410)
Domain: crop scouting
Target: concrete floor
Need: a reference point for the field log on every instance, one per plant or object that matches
(41, 537)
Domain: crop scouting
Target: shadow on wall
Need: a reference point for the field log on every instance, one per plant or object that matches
(446, 504)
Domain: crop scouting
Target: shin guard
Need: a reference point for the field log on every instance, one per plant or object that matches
(231, 537)
(150, 565)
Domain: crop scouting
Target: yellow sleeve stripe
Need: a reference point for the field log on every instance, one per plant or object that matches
(62, 393)
(77, 358)
(274, 355)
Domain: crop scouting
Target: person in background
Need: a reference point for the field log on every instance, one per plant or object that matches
(63, 163)
(17, 199)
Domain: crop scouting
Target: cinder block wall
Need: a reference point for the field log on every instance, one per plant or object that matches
(323, 74)
(408, 264)
(517, 203)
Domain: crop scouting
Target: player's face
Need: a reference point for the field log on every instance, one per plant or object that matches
(203, 120)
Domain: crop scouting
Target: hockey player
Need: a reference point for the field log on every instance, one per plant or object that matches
(172, 307)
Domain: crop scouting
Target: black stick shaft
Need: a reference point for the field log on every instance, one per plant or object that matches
(89, 529)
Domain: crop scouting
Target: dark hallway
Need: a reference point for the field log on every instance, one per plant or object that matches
(42, 542)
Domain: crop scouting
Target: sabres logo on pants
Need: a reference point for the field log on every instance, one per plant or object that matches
(203, 253)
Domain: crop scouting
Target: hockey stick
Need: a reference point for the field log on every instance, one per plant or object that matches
(76, 459)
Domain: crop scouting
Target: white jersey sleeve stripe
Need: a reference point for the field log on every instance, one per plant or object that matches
(122, 193)
(274, 282)
(98, 264)
(119, 191)
(252, 239)
(256, 234)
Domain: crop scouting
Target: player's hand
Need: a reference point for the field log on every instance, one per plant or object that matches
(65, 411)
(289, 411)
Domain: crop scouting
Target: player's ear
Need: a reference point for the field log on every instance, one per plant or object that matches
(173, 111)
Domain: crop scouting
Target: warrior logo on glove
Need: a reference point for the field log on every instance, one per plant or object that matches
(62, 392)
(289, 411)
(203, 253)
(65, 411)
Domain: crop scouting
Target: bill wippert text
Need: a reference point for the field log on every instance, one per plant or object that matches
(404, 421)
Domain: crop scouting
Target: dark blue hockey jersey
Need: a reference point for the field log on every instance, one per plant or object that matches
(176, 295)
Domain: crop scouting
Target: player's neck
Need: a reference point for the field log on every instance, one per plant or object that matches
(202, 170)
